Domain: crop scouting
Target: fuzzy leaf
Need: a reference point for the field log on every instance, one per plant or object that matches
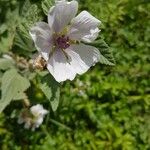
(51, 89)
(6, 63)
(106, 56)
(8, 30)
(29, 15)
(46, 5)
(13, 84)
(20, 96)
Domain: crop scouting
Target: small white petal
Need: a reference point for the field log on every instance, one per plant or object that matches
(84, 26)
(82, 57)
(42, 37)
(38, 122)
(27, 123)
(20, 120)
(59, 67)
(38, 110)
(61, 14)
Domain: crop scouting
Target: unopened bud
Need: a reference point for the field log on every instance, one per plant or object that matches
(39, 63)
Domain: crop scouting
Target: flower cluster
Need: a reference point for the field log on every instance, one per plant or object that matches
(32, 118)
(61, 41)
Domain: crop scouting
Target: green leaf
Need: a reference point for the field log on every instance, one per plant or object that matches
(29, 15)
(3, 28)
(106, 56)
(46, 5)
(6, 63)
(13, 85)
(24, 42)
(6, 43)
(8, 30)
(20, 96)
(51, 89)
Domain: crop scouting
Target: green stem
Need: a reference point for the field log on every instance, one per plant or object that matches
(60, 125)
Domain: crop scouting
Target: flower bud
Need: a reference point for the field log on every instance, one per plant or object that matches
(39, 63)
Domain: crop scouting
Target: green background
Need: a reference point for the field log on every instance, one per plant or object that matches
(108, 108)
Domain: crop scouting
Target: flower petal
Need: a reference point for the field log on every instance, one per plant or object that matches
(38, 122)
(84, 27)
(82, 57)
(20, 119)
(61, 14)
(92, 36)
(51, 17)
(59, 67)
(38, 110)
(42, 37)
(58, 1)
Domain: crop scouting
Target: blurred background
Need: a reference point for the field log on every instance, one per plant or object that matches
(108, 108)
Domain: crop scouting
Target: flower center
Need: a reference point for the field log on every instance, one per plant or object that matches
(62, 42)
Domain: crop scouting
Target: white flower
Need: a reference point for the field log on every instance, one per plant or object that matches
(24, 117)
(38, 113)
(38, 110)
(60, 42)
(34, 118)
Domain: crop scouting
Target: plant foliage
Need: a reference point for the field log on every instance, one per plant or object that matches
(106, 109)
